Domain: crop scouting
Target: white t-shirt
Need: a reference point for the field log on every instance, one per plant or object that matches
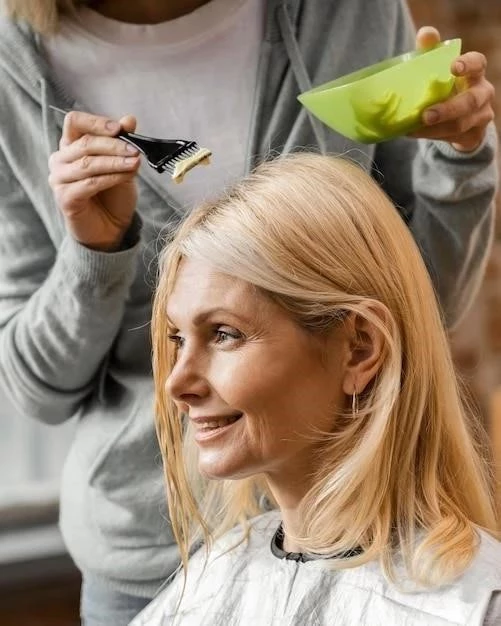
(189, 78)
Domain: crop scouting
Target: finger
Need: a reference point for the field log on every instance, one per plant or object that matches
(74, 193)
(90, 167)
(471, 65)
(460, 106)
(128, 123)
(450, 130)
(466, 142)
(93, 145)
(427, 37)
(77, 123)
(469, 141)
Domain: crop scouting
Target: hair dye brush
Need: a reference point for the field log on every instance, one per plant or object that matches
(175, 156)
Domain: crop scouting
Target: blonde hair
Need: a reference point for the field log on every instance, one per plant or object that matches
(404, 475)
(41, 15)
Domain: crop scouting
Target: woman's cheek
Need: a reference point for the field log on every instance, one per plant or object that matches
(239, 382)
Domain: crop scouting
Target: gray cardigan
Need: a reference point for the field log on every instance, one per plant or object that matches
(74, 334)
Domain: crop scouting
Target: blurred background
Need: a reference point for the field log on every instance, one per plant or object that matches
(39, 586)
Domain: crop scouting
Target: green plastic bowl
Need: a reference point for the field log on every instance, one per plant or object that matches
(385, 100)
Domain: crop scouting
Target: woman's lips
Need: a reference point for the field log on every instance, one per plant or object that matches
(212, 426)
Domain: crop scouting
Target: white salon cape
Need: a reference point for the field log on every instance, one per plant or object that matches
(250, 586)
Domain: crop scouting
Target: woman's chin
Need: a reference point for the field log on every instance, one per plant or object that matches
(224, 469)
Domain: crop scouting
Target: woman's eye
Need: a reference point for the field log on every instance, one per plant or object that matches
(224, 335)
(177, 340)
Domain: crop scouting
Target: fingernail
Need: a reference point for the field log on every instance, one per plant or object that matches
(131, 149)
(112, 126)
(431, 116)
(460, 67)
(130, 160)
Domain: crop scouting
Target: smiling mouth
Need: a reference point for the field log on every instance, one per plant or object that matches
(217, 422)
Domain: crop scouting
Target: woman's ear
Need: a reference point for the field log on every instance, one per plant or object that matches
(366, 348)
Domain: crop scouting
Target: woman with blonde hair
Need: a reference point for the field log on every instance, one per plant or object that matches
(78, 252)
(301, 365)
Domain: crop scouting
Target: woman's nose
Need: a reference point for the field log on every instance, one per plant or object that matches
(186, 381)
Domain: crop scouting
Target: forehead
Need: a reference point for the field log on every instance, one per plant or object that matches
(199, 287)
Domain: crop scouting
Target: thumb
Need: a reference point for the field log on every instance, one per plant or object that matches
(128, 123)
(427, 37)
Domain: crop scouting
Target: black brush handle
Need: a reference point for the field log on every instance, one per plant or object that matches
(157, 151)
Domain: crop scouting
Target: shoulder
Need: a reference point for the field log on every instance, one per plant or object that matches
(15, 33)
(229, 559)
(465, 601)
(235, 550)
(8, 27)
(380, 28)
(357, 11)
(23, 71)
(21, 60)
(261, 529)
(487, 561)
(472, 592)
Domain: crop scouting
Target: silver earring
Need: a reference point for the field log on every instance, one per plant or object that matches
(354, 403)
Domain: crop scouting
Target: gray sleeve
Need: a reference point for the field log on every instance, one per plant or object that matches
(493, 615)
(60, 310)
(447, 200)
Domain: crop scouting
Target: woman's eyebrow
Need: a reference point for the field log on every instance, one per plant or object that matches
(203, 316)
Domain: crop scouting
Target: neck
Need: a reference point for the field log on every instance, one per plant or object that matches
(290, 523)
(288, 495)
(146, 11)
